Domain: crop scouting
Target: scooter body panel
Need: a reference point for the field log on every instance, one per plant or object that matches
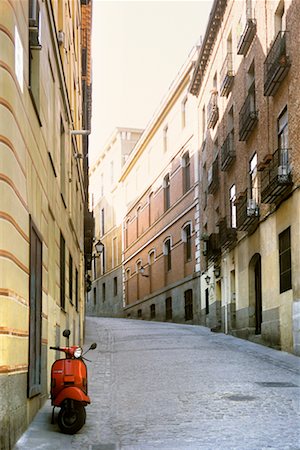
(68, 374)
(71, 393)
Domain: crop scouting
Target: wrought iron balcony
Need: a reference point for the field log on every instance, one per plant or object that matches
(227, 151)
(226, 76)
(276, 65)
(213, 247)
(212, 110)
(246, 37)
(227, 235)
(213, 177)
(276, 177)
(248, 116)
(247, 212)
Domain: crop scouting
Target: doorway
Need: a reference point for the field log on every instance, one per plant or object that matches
(255, 292)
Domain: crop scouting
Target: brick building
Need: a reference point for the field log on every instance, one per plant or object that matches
(160, 228)
(106, 295)
(43, 194)
(246, 82)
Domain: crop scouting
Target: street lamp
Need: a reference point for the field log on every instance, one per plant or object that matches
(207, 279)
(99, 246)
(142, 272)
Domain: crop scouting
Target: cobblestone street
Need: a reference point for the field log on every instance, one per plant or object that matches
(168, 386)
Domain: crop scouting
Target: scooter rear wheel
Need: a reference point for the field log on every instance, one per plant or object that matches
(71, 418)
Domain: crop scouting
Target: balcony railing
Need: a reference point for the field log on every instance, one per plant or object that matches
(227, 151)
(226, 75)
(227, 235)
(247, 212)
(276, 65)
(212, 110)
(246, 37)
(213, 247)
(248, 116)
(213, 177)
(276, 177)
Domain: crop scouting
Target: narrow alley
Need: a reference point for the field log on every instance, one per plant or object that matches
(170, 386)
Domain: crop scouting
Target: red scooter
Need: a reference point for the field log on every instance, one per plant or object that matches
(69, 387)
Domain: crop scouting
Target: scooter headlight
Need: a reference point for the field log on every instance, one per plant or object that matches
(78, 352)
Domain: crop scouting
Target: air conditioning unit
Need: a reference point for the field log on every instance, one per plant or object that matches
(252, 208)
(283, 173)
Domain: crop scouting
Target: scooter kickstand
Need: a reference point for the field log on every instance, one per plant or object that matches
(52, 420)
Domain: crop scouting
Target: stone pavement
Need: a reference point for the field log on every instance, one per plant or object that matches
(179, 387)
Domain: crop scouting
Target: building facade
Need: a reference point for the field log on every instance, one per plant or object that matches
(42, 198)
(246, 85)
(106, 295)
(160, 229)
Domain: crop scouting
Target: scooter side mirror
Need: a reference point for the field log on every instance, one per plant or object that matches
(93, 346)
(66, 333)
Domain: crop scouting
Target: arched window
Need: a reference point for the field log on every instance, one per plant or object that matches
(166, 186)
(151, 257)
(186, 172)
(167, 253)
(187, 239)
(150, 203)
(138, 215)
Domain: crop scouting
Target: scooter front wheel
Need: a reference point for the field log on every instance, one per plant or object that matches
(71, 417)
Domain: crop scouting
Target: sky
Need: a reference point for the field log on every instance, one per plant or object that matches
(138, 47)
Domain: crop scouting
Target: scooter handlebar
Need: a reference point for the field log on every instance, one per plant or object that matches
(54, 348)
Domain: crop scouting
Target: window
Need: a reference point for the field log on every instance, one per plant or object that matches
(103, 261)
(76, 290)
(102, 221)
(183, 112)
(251, 87)
(285, 260)
(139, 313)
(169, 312)
(112, 172)
(186, 172)
(71, 278)
(232, 198)
(283, 135)
(35, 313)
(115, 286)
(114, 252)
(95, 296)
(230, 122)
(165, 139)
(253, 178)
(203, 123)
(34, 52)
(152, 311)
(167, 253)
(187, 238)
(62, 271)
(19, 65)
(204, 185)
(166, 186)
(138, 213)
(103, 292)
(188, 300)
(62, 162)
